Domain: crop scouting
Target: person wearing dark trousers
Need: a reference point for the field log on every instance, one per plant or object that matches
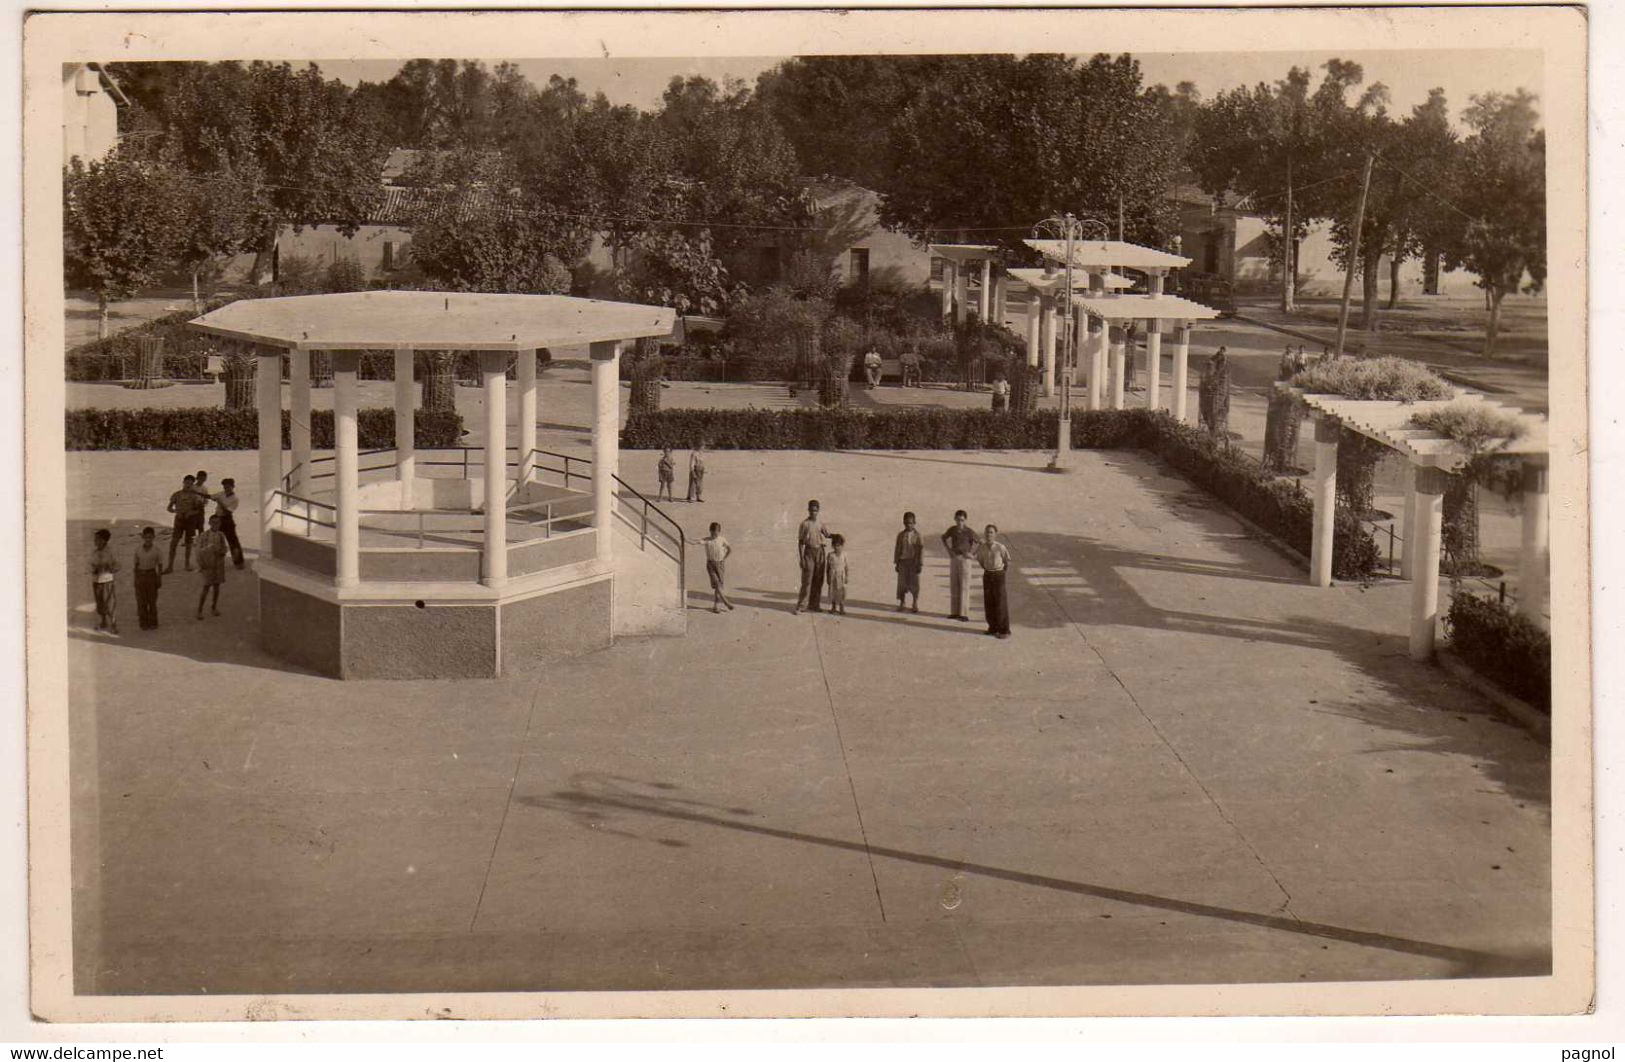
(225, 507)
(995, 560)
(148, 567)
(696, 474)
(812, 552)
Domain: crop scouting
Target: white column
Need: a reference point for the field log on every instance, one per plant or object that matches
(947, 288)
(1097, 362)
(527, 413)
(1001, 297)
(1182, 353)
(494, 377)
(1324, 494)
(985, 305)
(1034, 354)
(1153, 352)
(346, 470)
(406, 455)
(1533, 579)
(961, 291)
(1080, 341)
(268, 399)
(299, 416)
(1119, 342)
(1407, 553)
(1047, 328)
(1430, 484)
(606, 424)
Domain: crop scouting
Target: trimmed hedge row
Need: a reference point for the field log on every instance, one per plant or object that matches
(213, 428)
(1504, 646)
(846, 429)
(1277, 505)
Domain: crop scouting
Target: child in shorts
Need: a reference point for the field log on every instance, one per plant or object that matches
(716, 559)
(103, 568)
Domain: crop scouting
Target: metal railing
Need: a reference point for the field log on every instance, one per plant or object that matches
(653, 526)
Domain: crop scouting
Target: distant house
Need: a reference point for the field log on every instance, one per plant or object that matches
(90, 103)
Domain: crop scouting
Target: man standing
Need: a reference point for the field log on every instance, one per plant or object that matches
(225, 507)
(994, 557)
(812, 549)
(908, 557)
(960, 541)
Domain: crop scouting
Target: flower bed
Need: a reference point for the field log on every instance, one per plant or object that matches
(1504, 646)
(213, 428)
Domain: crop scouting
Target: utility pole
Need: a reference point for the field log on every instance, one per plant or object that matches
(1354, 257)
(1289, 278)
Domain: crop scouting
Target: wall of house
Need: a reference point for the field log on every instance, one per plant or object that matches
(852, 222)
(89, 115)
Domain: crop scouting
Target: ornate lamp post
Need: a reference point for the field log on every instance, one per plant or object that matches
(1070, 229)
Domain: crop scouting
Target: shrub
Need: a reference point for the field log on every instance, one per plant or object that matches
(1477, 427)
(214, 428)
(1504, 646)
(1390, 379)
(902, 429)
(186, 350)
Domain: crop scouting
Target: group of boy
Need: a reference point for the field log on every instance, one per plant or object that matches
(666, 470)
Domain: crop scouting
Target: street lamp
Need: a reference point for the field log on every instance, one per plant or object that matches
(1070, 229)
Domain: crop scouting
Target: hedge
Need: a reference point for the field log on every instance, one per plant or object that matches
(1504, 646)
(1277, 505)
(847, 429)
(213, 428)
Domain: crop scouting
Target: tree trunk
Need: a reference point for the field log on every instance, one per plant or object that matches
(1289, 257)
(1494, 328)
(1357, 459)
(197, 303)
(1393, 280)
(440, 379)
(1281, 426)
(101, 316)
(1459, 536)
(1368, 287)
(259, 273)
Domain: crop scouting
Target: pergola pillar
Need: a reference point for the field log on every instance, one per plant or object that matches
(949, 268)
(985, 305)
(1534, 557)
(1098, 331)
(961, 293)
(1034, 356)
(268, 400)
(346, 471)
(1119, 342)
(1182, 354)
(606, 416)
(494, 379)
(1080, 342)
(1153, 353)
(1324, 494)
(1407, 553)
(1430, 484)
(1001, 296)
(1047, 327)
(527, 415)
(405, 428)
(299, 418)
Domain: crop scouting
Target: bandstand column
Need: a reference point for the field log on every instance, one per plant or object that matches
(299, 417)
(1047, 328)
(1034, 357)
(346, 471)
(1430, 483)
(406, 457)
(1535, 555)
(1119, 353)
(985, 305)
(494, 378)
(1323, 492)
(527, 414)
(268, 400)
(1182, 353)
(606, 417)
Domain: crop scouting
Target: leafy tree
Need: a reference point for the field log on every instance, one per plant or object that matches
(216, 221)
(1503, 191)
(679, 269)
(121, 216)
(487, 241)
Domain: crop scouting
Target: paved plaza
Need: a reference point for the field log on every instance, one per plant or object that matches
(1187, 765)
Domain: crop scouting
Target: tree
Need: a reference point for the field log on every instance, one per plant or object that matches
(120, 220)
(489, 241)
(1502, 200)
(677, 268)
(216, 220)
(312, 151)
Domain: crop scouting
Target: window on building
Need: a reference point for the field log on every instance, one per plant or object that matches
(858, 272)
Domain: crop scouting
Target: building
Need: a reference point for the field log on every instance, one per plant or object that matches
(90, 103)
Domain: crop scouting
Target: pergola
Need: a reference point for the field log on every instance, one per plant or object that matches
(1432, 457)
(1046, 285)
(958, 259)
(311, 519)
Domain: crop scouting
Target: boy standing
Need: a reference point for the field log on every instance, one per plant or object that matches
(835, 573)
(908, 557)
(148, 567)
(225, 507)
(667, 470)
(187, 505)
(103, 567)
(211, 561)
(812, 553)
(696, 474)
(716, 557)
(995, 559)
(960, 542)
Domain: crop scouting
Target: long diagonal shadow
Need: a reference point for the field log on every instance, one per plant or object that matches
(1470, 962)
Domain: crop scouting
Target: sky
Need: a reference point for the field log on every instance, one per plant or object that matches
(1408, 74)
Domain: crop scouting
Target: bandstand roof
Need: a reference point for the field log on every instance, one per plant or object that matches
(964, 252)
(1037, 278)
(432, 320)
(1144, 308)
(1389, 423)
(1097, 254)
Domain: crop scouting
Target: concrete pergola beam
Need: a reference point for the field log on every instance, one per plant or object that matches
(958, 260)
(1109, 254)
(1159, 311)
